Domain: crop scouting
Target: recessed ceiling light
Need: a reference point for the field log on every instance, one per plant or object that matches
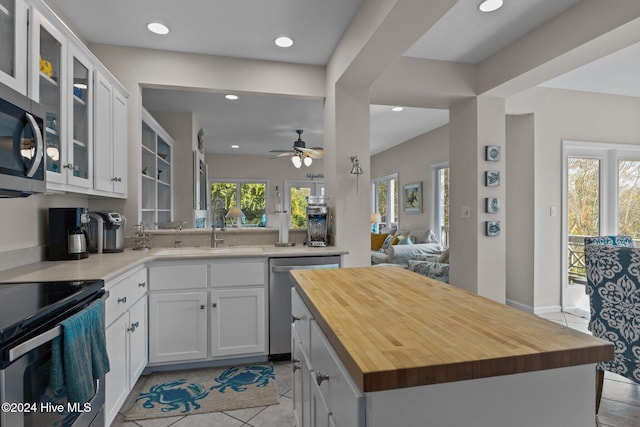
(158, 28)
(235, 146)
(397, 108)
(490, 5)
(284, 41)
(231, 97)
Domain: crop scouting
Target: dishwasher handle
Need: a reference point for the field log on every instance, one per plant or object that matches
(287, 268)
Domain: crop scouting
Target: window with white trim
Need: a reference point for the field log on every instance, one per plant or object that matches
(385, 199)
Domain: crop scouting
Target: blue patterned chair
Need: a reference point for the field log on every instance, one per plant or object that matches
(613, 285)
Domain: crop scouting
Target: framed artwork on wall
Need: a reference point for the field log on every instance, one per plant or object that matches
(492, 205)
(412, 198)
(492, 178)
(492, 153)
(492, 228)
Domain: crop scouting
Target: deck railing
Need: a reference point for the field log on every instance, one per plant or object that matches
(577, 269)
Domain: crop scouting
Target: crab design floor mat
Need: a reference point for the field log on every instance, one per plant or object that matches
(198, 391)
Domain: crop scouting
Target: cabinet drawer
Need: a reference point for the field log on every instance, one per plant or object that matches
(238, 273)
(345, 400)
(123, 294)
(179, 276)
(301, 320)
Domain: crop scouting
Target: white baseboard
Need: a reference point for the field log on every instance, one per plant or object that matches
(519, 306)
(534, 310)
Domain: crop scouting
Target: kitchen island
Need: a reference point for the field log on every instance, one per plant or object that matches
(417, 352)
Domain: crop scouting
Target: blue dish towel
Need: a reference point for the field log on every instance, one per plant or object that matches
(79, 355)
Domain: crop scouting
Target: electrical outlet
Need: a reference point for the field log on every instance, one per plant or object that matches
(466, 212)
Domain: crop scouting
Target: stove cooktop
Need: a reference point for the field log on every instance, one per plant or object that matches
(24, 307)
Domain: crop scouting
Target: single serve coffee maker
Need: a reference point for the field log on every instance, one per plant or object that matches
(68, 238)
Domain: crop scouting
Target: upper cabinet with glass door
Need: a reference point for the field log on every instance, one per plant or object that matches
(13, 44)
(80, 155)
(48, 87)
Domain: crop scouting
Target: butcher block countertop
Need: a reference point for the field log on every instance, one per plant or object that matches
(393, 328)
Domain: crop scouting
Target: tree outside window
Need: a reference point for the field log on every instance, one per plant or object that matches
(250, 197)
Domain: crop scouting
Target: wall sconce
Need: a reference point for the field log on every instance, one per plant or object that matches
(236, 214)
(356, 170)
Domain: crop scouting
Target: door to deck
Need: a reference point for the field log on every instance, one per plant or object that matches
(602, 197)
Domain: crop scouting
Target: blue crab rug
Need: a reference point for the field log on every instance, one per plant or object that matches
(198, 391)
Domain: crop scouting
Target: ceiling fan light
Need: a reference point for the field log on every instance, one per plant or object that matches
(296, 161)
(308, 161)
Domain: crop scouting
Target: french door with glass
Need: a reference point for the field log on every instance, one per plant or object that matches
(601, 197)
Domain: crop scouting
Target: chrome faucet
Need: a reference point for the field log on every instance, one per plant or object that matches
(214, 238)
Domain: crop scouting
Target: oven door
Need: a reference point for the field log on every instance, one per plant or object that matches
(26, 397)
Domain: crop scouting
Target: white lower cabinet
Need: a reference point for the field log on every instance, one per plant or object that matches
(126, 338)
(178, 326)
(194, 307)
(323, 392)
(237, 321)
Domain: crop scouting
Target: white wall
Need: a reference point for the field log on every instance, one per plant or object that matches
(559, 115)
(412, 162)
(520, 208)
(23, 220)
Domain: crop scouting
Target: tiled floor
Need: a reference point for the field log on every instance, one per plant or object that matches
(620, 405)
(280, 415)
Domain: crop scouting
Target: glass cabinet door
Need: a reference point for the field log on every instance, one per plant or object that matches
(80, 162)
(13, 45)
(50, 96)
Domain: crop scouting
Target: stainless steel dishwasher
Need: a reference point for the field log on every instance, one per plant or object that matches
(280, 284)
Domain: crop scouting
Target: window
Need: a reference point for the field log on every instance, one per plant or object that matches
(296, 193)
(385, 198)
(249, 196)
(441, 202)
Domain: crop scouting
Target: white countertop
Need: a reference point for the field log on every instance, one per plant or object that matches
(109, 266)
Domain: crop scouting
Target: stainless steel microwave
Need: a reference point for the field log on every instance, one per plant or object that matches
(22, 170)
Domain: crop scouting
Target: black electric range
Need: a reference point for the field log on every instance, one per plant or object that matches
(26, 309)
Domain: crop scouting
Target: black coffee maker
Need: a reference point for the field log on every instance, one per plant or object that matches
(68, 238)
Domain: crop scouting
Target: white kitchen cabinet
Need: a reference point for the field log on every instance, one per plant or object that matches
(324, 393)
(48, 86)
(177, 326)
(13, 48)
(110, 138)
(237, 321)
(207, 310)
(301, 382)
(126, 337)
(320, 412)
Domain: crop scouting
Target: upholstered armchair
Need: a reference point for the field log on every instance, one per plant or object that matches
(613, 285)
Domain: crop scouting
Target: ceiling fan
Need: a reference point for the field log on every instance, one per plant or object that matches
(300, 153)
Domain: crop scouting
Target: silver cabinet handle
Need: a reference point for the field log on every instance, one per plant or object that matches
(321, 377)
(133, 327)
(201, 306)
(116, 179)
(294, 318)
(122, 300)
(295, 364)
(142, 284)
(214, 305)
